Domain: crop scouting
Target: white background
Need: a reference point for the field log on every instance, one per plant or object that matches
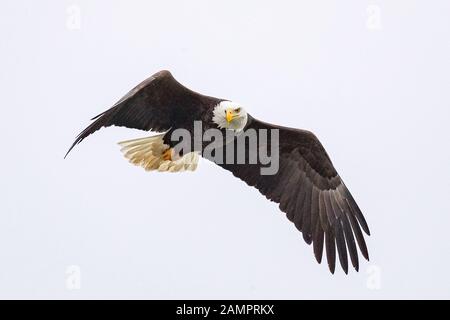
(370, 78)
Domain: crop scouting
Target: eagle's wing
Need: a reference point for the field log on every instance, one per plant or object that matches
(158, 103)
(311, 193)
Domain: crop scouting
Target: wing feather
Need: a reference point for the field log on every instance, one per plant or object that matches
(306, 217)
(331, 250)
(312, 194)
(158, 103)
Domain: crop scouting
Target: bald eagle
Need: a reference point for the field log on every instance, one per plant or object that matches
(306, 185)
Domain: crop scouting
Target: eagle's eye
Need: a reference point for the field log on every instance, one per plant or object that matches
(237, 110)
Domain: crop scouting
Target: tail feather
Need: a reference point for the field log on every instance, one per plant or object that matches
(148, 153)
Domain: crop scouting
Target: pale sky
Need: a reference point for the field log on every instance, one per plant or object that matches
(370, 78)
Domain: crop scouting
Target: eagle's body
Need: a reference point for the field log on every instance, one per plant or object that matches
(307, 186)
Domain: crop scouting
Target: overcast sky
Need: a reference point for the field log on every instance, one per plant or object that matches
(370, 78)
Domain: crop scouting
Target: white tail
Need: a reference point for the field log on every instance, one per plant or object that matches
(148, 153)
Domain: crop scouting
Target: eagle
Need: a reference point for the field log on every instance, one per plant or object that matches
(306, 185)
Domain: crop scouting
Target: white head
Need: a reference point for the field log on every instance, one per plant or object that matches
(230, 115)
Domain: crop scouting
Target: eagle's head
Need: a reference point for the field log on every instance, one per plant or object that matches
(230, 115)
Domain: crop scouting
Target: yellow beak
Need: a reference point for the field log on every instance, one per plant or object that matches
(230, 115)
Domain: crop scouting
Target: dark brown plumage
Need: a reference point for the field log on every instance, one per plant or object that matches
(158, 104)
(311, 193)
(307, 186)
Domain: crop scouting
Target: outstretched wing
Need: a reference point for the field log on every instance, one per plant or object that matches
(311, 193)
(158, 103)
